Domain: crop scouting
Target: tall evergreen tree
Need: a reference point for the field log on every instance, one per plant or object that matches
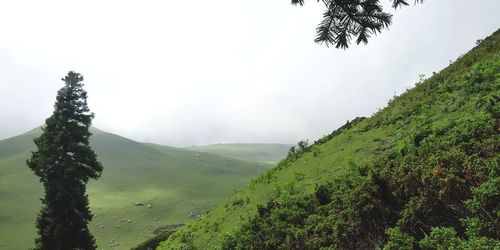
(345, 19)
(64, 162)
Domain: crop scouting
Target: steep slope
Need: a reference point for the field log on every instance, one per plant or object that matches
(178, 184)
(422, 172)
(269, 153)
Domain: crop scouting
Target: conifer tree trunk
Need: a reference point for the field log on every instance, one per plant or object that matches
(64, 162)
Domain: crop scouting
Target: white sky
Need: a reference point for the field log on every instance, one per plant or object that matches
(199, 72)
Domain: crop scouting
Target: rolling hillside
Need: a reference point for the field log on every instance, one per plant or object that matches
(256, 152)
(421, 173)
(178, 184)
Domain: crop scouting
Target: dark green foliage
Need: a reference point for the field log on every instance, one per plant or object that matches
(64, 162)
(447, 238)
(153, 242)
(485, 207)
(441, 238)
(303, 145)
(187, 242)
(397, 240)
(436, 187)
(344, 20)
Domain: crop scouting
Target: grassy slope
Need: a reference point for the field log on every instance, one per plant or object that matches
(362, 143)
(257, 152)
(333, 159)
(175, 181)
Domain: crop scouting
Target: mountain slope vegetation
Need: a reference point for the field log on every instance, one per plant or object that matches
(178, 184)
(422, 173)
(270, 153)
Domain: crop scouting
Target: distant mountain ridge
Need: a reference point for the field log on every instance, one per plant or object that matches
(260, 152)
(179, 185)
(269, 153)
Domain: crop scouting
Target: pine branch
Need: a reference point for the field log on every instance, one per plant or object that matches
(399, 3)
(345, 19)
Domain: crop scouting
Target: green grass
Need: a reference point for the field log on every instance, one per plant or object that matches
(438, 102)
(257, 152)
(174, 181)
(333, 159)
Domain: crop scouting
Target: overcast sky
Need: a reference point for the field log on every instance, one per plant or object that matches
(199, 72)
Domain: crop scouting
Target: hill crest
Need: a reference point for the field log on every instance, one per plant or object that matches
(413, 175)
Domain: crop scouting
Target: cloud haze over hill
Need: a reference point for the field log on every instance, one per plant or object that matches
(198, 72)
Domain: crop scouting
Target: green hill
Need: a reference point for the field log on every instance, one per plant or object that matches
(258, 152)
(421, 173)
(178, 184)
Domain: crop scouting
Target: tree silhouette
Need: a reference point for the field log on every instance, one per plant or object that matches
(64, 162)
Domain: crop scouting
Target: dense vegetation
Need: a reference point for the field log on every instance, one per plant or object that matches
(422, 173)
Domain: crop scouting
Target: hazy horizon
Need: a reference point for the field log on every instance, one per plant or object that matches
(198, 73)
(147, 142)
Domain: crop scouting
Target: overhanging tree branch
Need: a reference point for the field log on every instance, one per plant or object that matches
(345, 19)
